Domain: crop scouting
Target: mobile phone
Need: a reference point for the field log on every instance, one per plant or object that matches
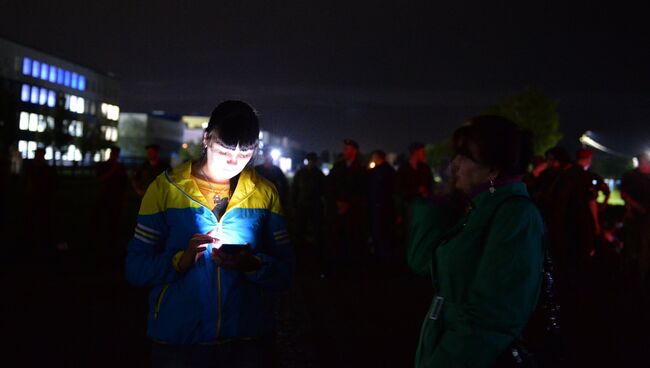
(232, 248)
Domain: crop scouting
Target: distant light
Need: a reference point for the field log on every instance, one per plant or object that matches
(635, 162)
(275, 154)
(305, 162)
(184, 146)
(285, 164)
(204, 125)
(325, 169)
(372, 165)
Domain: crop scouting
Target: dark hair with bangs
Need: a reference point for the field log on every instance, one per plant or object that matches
(495, 142)
(233, 123)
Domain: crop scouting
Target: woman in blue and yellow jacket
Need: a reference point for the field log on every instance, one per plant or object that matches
(208, 306)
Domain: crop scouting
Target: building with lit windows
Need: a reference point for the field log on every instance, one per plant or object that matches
(70, 110)
(136, 130)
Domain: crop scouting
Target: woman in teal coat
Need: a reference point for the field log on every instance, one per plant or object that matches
(486, 263)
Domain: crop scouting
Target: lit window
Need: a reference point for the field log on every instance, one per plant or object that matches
(82, 83)
(73, 82)
(36, 68)
(73, 103)
(42, 123)
(45, 71)
(97, 157)
(33, 122)
(51, 98)
(49, 153)
(81, 105)
(25, 93)
(77, 154)
(67, 101)
(31, 147)
(57, 155)
(27, 66)
(34, 97)
(53, 70)
(22, 148)
(66, 78)
(50, 122)
(59, 76)
(24, 121)
(114, 134)
(42, 97)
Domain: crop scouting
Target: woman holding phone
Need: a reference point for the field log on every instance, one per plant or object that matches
(210, 306)
(485, 263)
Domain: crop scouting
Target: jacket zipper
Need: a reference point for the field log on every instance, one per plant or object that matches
(159, 301)
(219, 221)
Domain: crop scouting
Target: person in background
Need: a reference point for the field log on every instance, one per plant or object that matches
(381, 207)
(484, 266)
(414, 179)
(346, 193)
(149, 170)
(635, 190)
(212, 245)
(41, 182)
(275, 175)
(307, 193)
(584, 158)
(111, 200)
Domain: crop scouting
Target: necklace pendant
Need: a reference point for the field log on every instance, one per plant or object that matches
(217, 199)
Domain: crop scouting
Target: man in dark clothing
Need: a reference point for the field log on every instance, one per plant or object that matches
(381, 191)
(275, 175)
(568, 200)
(41, 182)
(111, 199)
(414, 179)
(346, 190)
(635, 190)
(307, 198)
(149, 170)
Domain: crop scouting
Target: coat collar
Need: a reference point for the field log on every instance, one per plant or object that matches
(182, 179)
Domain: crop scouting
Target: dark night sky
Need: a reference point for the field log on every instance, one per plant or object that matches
(385, 73)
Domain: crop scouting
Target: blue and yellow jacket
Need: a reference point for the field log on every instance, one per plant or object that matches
(207, 303)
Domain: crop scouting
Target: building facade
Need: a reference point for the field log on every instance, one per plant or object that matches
(70, 110)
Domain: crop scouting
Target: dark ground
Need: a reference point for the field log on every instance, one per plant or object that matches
(74, 309)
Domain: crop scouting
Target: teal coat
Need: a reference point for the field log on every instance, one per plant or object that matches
(490, 287)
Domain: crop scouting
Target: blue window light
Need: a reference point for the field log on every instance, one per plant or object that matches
(42, 97)
(53, 74)
(27, 66)
(82, 83)
(66, 79)
(51, 98)
(59, 76)
(34, 96)
(36, 68)
(25, 93)
(73, 83)
(45, 71)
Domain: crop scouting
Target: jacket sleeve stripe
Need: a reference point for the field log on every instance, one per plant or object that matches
(145, 234)
(148, 229)
(142, 238)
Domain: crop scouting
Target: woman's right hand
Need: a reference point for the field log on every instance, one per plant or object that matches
(195, 249)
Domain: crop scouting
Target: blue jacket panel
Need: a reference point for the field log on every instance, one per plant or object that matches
(208, 303)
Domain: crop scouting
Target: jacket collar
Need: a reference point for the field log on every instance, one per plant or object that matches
(182, 179)
(503, 191)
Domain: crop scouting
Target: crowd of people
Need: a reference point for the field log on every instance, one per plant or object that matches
(211, 236)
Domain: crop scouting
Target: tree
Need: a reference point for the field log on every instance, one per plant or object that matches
(437, 153)
(534, 111)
